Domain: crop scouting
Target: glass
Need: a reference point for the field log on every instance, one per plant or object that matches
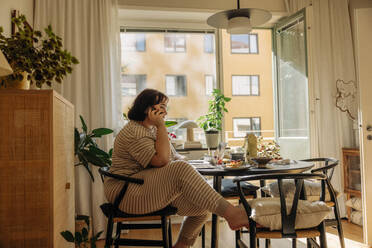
(172, 73)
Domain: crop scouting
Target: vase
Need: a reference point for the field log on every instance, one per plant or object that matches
(10, 83)
(212, 138)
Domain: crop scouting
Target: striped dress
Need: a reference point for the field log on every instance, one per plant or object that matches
(177, 184)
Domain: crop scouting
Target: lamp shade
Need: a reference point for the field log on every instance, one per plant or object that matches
(239, 21)
(5, 68)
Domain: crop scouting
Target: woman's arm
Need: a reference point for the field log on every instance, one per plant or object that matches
(162, 146)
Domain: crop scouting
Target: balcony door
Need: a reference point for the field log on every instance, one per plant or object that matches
(292, 88)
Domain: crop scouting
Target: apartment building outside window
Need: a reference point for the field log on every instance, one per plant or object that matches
(209, 43)
(174, 42)
(131, 85)
(175, 85)
(244, 125)
(210, 84)
(134, 42)
(244, 43)
(245, 85)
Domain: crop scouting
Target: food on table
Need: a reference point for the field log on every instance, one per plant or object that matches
(234, 163)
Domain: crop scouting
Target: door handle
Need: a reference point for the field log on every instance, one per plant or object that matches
(369, 128)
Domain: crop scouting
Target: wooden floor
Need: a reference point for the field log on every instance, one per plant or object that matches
(353, 237)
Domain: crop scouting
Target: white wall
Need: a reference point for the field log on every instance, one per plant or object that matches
(25, 7)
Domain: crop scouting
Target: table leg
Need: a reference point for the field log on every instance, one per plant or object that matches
(215, 230)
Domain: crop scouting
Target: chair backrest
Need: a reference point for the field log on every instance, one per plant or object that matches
(288, 220)
(104, 172)
(327, 168)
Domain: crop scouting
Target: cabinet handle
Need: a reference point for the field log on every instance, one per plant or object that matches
(68, 185)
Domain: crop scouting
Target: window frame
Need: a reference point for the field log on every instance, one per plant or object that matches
(136, 41)
(175, 75)
(251, 120)
(214, 83)
(249, 45)
(174, 43)
(250, 84)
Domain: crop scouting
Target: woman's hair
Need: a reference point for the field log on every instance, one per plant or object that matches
(145, 99)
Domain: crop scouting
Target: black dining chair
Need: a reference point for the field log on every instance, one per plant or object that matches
(229, 191)
(327, 167)
(115, 215)
(285, 226)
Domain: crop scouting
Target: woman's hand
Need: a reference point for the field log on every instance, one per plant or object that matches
(156, 115)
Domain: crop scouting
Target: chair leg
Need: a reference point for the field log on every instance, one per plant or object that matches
(267, 243)
(170, 232)
(339, 224)
(294, 243)
(252, 234)
(322, 237)
(308, 244)
(203, 236)
(110, 224)
(237, 238)
(164, 231)
(118, 233)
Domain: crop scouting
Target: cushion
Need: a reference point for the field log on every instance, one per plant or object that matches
(266, 212)
(355, 203)
(229, 188)
(356, 217)
(313, 189)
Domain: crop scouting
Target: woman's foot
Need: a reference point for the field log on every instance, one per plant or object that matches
(236, 217)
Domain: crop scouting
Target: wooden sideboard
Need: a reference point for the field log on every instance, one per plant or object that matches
(352, 182)
(36, 169)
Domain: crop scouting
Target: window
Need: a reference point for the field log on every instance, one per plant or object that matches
(175, 85)
(174, 42)
(242, 126)
(134, 42)
(131, 85)
(244, 43)
(208, 43)
(210, 84)
(245, 85)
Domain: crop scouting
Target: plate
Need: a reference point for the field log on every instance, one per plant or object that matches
(242, 167)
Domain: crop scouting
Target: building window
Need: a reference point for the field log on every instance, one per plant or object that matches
(175, 85)
(248, 85)
(132, 85)
(175, 42)
(210, 84)
(244, 43)
(208, 43)
(242, 126)
(134, 42)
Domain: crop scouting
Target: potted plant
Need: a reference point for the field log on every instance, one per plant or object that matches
(87, 150)
(35, 57)
(212, 121)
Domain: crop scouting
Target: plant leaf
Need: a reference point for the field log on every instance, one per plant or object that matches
(78, 238)
(86, 165)
(99, 132)
(84, 233)
(92, 158)
(68, 236)
(170, 123)
(84, 126)
(98, 151)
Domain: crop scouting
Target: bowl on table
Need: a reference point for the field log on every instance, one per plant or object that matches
(261, 161)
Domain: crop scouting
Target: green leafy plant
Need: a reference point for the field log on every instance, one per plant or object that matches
(81, 239)
(212, 121)
(87, 150)
(40, 55)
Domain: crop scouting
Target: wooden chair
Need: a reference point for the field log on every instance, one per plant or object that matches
(327, 168)
(115, 215)
(229, 191)
(288, 220)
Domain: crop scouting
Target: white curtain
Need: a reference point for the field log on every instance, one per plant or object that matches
(332, 59)
(90, 31)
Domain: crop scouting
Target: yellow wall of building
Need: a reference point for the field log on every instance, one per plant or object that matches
(250, 64)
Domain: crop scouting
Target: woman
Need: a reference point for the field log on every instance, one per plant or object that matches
(142, 150)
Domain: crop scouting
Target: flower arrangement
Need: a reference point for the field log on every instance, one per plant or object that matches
(268, 148)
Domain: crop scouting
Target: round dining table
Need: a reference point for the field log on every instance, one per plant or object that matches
(218, 172)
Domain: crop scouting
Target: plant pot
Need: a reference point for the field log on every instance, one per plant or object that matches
(10, 83)
(80, 224)
(212, 139)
